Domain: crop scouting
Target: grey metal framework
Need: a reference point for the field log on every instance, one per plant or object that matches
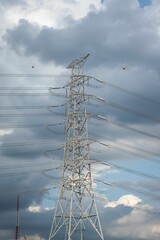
(76, 213)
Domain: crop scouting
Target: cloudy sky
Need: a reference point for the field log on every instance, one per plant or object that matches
(39, 38)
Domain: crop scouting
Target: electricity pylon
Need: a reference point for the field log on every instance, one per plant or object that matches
(76, 209)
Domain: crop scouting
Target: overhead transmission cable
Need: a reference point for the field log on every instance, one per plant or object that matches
(127, 145)
(25, 165)
(31, 152)
(88, 77)
(126, 127)
(32, 114)
(23, 107)
(133, 93)
(49, 92)
(130, 188)
(130, 146)
(26, 94)
(36, 125)
(29, 172)
(23, 88)
(129, 152)
(44, 190)
(29, 143)
(53, 141)
(41, 190)
(112, 184)
(31, 107)
(12, 144)
(35, 75)
(110, 103)
(64, 75)
(138, 113)
(129, 170)
(105, 163)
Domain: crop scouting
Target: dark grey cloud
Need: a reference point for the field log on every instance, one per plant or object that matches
(125, 37)
(117, 36)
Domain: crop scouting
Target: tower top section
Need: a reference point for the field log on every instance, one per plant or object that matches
(78, 63)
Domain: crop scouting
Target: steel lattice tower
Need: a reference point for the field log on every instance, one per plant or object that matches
(76, 208)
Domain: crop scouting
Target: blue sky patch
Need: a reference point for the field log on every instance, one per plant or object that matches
(144, 3)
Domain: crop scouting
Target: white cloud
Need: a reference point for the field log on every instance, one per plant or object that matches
(135, 225)
(99, 169)
(33, 237)
(54, 13)
(37, 209)
(126, 200)
(49, 13)
(4, 132)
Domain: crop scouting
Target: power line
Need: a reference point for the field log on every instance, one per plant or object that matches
(130, 188)
(139, 208)
(41, 190)
(151, 211)
(112, 104)
(129, 152)
(135, 148)
(40, 75)
(23, 107)
(36, 125)
(24, 165)
(104, 82)
(17, 174)
(49, 92)
(133, 93)
(26, 94)
(29, 172)
(138, 113)
(135, 172)
(23, 88)
(127, 127)
(97, 116)
(31, 107)
(51, 142)
(31, 152)
(20, 153)
(13, 144)
(32, 114)
(128, 145)
(64, 75)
